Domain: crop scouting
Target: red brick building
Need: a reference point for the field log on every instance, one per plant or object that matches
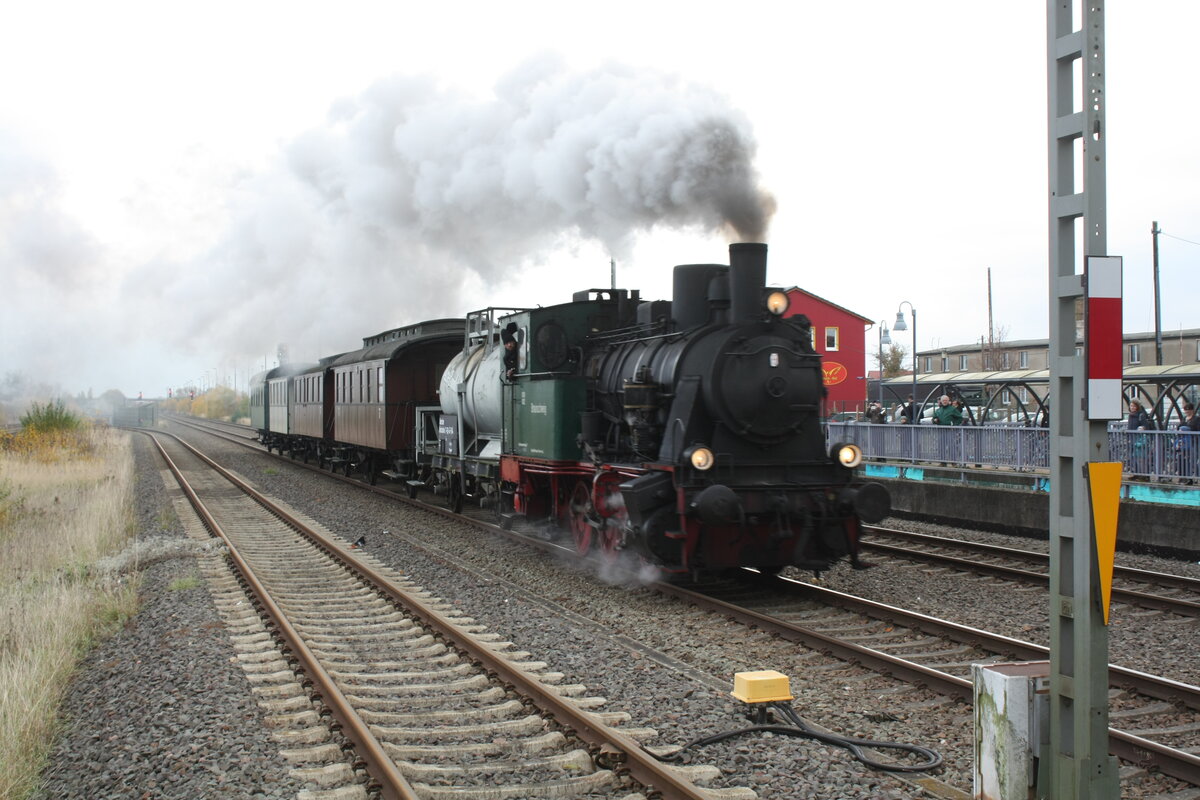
(840, 337)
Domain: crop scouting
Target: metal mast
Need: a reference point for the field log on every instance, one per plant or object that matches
(1079, 764)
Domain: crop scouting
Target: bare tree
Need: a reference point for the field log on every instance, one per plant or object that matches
(995, 356)
(892, 363)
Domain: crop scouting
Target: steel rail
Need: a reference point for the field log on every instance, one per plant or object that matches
(1131, 573)
(391, 784)
(663, 778)
(1144, 683)
(1182, 607)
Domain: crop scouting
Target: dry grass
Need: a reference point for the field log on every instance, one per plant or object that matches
(65, 504)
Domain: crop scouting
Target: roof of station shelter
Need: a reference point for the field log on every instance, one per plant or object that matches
(1168, 373)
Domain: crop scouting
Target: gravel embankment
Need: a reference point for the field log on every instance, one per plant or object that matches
(159, 710)
(163, 697)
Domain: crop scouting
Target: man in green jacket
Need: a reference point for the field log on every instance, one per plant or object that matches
(946, 413)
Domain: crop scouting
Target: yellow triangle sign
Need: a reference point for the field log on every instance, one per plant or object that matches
(1104, 481)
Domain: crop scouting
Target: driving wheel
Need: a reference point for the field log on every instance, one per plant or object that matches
(582, 527)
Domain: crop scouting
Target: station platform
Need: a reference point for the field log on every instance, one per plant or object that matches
(1155, 517)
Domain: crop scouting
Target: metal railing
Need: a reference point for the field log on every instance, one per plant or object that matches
(1156, 455)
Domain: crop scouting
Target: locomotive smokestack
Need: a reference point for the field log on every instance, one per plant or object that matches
(747, 279)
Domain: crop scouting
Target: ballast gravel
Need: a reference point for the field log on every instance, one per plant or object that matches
(668, 665)
(160, 710)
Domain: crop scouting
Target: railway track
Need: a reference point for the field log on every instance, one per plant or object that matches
(1176, 594)
(432, 705)
(1160, 718)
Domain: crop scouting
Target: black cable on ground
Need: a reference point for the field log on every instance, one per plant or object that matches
(797, 727)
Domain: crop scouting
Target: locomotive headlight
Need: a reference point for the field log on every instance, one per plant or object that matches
(701, 457)
(777, 303)
(848, 455)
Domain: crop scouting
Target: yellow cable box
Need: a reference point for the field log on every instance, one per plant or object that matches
(765, 686)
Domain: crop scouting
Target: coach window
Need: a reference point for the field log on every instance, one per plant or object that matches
(380, 378)
(831, 339)
(523, 351)
(370, 395)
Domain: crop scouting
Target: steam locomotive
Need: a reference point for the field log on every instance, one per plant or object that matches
(685, 432)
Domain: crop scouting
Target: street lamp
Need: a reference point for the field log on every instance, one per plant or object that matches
(901, 325)
(884, 338)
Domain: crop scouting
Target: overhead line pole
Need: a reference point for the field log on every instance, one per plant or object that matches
(1079, 767)
(1154, 232)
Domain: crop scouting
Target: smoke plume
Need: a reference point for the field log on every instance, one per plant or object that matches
(411, 188)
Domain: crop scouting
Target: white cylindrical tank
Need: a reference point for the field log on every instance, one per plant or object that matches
(480, 371)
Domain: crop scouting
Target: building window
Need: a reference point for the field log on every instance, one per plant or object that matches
(1135, 354)
(1024, 394)
(1006, 397)
(1004, 361)
(928, 364)
(1198, 349)
(962, 363)
(945, 363)
(1024, 359)
(1078, 351)
(831, 338)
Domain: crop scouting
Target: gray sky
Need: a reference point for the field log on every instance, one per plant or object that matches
(183, 187)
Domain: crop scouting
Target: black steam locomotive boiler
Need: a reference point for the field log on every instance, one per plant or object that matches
(703, 430)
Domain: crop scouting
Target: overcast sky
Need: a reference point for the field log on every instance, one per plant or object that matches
(184, 187)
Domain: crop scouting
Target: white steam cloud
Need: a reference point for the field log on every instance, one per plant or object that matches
(377, 216)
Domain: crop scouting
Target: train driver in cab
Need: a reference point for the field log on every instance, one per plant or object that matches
(511, 346)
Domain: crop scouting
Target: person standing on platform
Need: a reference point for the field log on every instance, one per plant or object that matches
(1138, 420)
(907, 440)
(1189, 444)
(947, 414)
